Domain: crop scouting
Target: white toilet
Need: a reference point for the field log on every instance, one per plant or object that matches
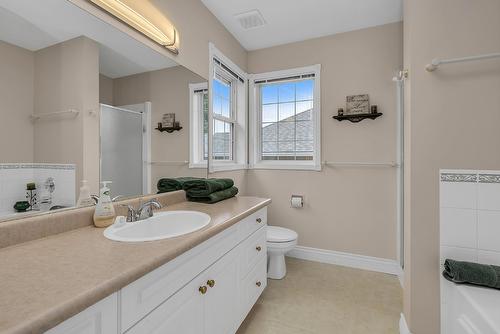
(280, 241)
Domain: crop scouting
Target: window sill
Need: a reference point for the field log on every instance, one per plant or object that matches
(275, 166)
(198, 165)
(227, 167)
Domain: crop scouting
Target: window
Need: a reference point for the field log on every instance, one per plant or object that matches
(286, 119)
(198, 130)
(223, 117)
(227, 114)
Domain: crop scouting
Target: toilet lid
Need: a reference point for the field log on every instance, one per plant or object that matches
(280, 234)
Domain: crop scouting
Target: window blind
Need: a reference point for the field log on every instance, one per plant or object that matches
(295, 77)
(228, 70)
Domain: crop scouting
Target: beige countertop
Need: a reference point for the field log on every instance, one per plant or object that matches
(46, 281)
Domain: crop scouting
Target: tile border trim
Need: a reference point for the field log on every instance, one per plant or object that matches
(459, 177)
(37, 166)
(489, 178)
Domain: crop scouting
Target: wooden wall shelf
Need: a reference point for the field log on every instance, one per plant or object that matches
(357, 118)
(169, 129)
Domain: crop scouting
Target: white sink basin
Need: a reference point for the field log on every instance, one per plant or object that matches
(162, 225)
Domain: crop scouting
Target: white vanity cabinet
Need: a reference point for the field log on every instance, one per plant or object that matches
(99, 318)
(207, 290)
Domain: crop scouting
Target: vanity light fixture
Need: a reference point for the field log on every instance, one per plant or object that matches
(134, 19)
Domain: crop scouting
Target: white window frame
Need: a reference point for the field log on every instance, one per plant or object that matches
(196, 159)
(255, 121)
(232, 112)
(240, 113)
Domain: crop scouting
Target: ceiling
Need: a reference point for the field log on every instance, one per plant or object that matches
(297, 20)
(35, 24)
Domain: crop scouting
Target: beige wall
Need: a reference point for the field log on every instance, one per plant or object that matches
(453, 120)
(347, 209)
(105, 90)
(17, 68)
(66, 77)
(168, 92)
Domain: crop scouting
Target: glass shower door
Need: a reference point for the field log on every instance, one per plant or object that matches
(121, 132)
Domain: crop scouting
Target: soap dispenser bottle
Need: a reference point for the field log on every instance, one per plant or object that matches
(104, 214)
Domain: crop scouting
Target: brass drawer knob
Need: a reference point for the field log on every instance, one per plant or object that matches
(203, 289)
(258, 284)
(258, 220)
(258, 248)
(211, 283)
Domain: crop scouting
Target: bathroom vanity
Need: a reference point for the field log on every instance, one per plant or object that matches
(211, 281)
(209, 289)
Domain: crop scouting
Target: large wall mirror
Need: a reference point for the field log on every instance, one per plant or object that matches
(81, 100)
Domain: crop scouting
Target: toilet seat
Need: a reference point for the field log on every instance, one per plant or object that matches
(276, 234)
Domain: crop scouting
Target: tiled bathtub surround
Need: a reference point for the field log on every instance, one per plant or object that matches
(15, 176)
(469, 220)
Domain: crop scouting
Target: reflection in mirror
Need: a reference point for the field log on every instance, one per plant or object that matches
(81, 100)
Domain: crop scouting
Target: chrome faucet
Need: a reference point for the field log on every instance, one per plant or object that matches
(144, 211)
(114, 199)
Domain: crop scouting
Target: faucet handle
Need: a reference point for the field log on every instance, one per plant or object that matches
(131, 213)
(146, 209)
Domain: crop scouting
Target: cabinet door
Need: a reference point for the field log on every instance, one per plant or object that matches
(221, 300)
(99, 318)
(181, 313)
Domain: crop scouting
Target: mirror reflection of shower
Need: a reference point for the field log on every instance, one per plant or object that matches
(125, 148)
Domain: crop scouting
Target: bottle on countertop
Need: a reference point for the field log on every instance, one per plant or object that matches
(104, 214)
(84, 198)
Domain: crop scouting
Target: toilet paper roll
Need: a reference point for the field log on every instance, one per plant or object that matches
(297, 202)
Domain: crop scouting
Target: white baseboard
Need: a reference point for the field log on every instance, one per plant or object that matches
(347, 260)
(403, 326)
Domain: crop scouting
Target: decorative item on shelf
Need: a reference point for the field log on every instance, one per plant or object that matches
(357, 109)
(168, 120)
(357, 104)
(21, 206)
(46, 194)
(31, 196)
(176, 127)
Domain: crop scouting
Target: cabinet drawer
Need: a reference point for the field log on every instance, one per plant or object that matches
(182, 313)
(252, 287)
(253, 250)
(253, 222)
(99, 318)
(143, 295)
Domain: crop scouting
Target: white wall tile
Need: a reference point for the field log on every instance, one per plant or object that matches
(13, 182)
(458, 253)
(488, 257)
(458, 195)
(489, 230)
(458, 227)
(489, 196)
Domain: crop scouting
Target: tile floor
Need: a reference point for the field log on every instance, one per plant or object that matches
(317, 298)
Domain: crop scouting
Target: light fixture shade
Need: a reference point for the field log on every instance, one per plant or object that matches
(131, 17)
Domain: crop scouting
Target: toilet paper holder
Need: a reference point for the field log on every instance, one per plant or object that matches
(297, 201)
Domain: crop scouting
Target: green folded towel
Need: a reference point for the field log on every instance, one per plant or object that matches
(205, 187)
(166, 185)
(213, 197)
(472, 273)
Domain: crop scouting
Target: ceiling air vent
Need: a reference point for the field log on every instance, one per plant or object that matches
(251, 19)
